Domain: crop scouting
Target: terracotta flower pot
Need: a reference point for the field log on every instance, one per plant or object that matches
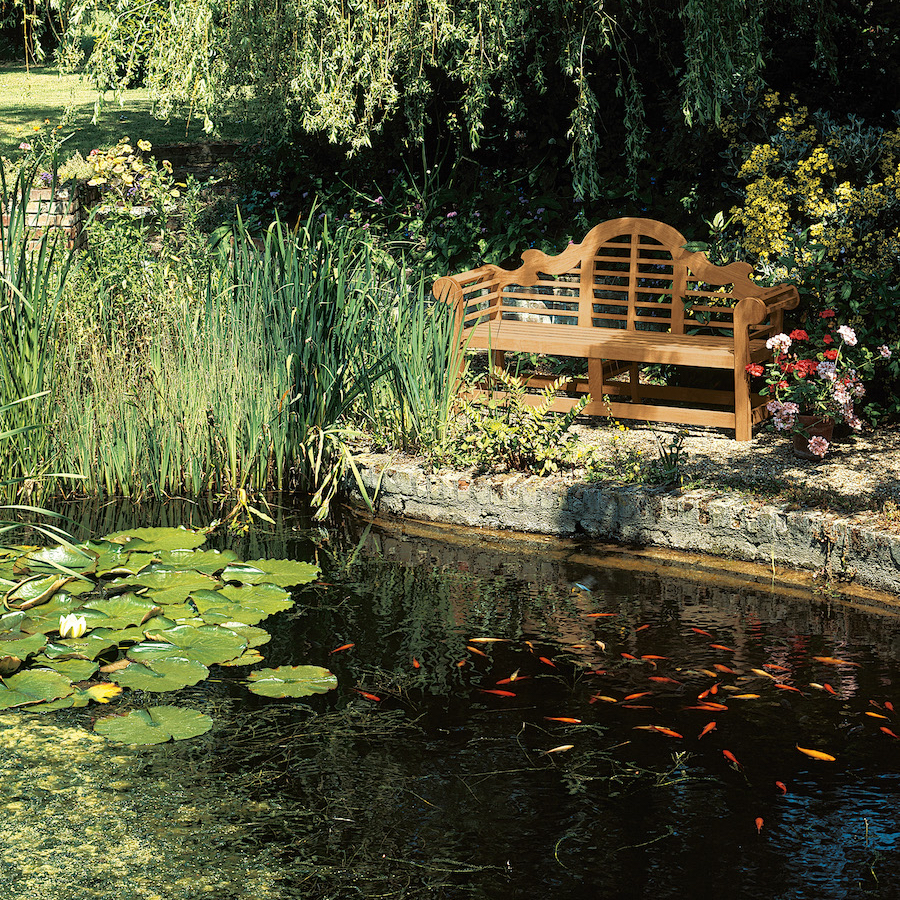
(811, 427)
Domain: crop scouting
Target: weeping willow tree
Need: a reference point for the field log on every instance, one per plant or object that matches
(350, 69)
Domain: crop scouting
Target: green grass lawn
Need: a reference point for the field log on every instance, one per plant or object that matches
(29, 98)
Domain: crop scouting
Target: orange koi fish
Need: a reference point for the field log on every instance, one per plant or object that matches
(488, 640)
(561, 749)
(710, 690)
(887, 730)
(701, 631)
(781, 786)
(745, 696)
(368, 696)
(628, 656)
(762, 673)
(661, 679)
(635, 696)
(461, 663)
(476, 651)
(711, 707)
(513, 679)
(759, 824)
(889, 705)
(566, 719)
(710, 726)
(731, 758)
(342, 647)
(775, 667)
(788, 687)
(833, 661)
(724, 669)
(668, 732)
(633, 706)
(599, 615)
(650, 656)
(816, 754)
(547, 662)
(601, 697)
(641, 628)
(416, 664)
(827, 687)
(497, 693)
(722, 647)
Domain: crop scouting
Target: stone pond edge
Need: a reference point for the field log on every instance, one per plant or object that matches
(722, 524)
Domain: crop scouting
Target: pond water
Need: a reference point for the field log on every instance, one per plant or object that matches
(516, 717)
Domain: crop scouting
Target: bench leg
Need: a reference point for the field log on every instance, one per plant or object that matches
(497, 360)
(743, 425)
(634, 380)
(595, 380)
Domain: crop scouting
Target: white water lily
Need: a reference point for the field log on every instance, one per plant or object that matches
(72, 626)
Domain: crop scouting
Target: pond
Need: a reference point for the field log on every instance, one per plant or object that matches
(514, 717)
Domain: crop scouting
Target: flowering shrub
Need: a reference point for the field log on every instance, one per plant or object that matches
(816, 372)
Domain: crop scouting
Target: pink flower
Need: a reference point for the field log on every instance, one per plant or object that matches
(848, 335)
(818, 446)
(24, 146)
(885, 351)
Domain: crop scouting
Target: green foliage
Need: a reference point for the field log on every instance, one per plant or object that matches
(666, 469)
(511, 433)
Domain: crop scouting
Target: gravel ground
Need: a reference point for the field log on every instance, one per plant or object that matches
(860, 474)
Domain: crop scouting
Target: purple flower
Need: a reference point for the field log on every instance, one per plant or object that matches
(452, 215)
(274, 194)
(379, 200)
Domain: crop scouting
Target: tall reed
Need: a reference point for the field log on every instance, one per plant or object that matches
(34, 265)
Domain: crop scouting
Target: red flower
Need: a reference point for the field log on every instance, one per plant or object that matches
(755, 369)
(827, 314)
(782, 385)
(806, 366)
(798, 334)
(827, 339)
(831, 354)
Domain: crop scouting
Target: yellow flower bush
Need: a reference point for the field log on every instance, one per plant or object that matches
(812, 178)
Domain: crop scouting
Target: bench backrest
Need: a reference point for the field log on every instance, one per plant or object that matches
(632, 274)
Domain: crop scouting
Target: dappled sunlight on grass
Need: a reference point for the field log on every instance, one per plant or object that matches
(28, 98)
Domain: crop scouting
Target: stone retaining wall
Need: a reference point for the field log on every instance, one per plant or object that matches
(721, 524)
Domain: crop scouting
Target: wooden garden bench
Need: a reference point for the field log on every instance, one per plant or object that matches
(628, 295)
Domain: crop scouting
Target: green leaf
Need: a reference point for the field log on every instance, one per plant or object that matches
(207, 561)
(154, 725)
(249, 604)
(74, 669)
(284, 572)
(55, 559)
(127, 609)
(166, 674)
(291, 681)
(149, 539)
(210, 644)
(33, 686)
(20, 645)
(88, 647)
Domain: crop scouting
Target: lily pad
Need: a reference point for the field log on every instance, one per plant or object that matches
(35, 591)
(247, 658)
(33, 686)
(291, 681)
(126, 609)
(74, 669)
(208, 561)
(88, 647)
(209, 644)
(57, 559)
(155, 725)
(158, 538)
(283, 572)
(167, 674)
(21, 645)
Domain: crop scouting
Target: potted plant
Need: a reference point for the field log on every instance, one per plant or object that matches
(814, 380)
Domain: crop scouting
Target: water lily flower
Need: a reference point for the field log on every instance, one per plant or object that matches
(72, 626)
